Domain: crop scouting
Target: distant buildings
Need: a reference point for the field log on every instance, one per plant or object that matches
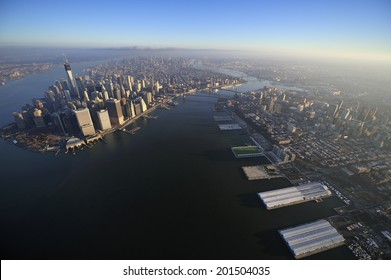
(284, 154)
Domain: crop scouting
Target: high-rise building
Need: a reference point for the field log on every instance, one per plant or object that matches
(157, 87)
(137, 108)
(18, 117)
(103, 119)
(332, 110)
(65, 85)
(138, 86)
(278, 107)
(117, 93)
(67, 95)
(38, 118)
(115, 111)
(143, 105)
(59, 123)
(80, 84)
(132, 112)
(84, 121)
(86, 97)
(271, 105)
(109, 87)
(72, 81)
(129, 82)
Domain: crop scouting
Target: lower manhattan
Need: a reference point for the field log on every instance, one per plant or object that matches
(195, 131)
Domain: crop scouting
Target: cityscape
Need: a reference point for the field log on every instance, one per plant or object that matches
(87, 109)
(197, 148)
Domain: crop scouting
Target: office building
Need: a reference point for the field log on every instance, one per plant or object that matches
(143, 105)
(271, 105)
(115, 111)
(72, 82)
(59, 123)
(38, 118)
(103, 119)
(84, 121)
(18, 117)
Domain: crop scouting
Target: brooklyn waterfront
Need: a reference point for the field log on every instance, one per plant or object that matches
(173, 190)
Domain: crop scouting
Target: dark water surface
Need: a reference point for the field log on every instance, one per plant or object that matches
(172, 191)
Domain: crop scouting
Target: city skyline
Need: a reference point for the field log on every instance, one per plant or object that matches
(358, 30)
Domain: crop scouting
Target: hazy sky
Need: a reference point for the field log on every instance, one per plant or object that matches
(326, 28)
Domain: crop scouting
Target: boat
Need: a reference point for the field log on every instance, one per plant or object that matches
(15, 142)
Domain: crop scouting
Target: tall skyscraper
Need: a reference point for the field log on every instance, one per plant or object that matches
(143, 105)
(115, 111)
(84, 121)
(80, 84)
(271, 105)
(72, 81)
(132, 112)
(18, 117)
(38, 118)
(332, 110)
(104, 119)
(59, 123)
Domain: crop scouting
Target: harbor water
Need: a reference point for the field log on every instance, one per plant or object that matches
(173, 190)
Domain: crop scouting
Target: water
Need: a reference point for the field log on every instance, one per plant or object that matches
(172, 191)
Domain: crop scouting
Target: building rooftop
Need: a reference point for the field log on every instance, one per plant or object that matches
(309, 239)
(293, 195)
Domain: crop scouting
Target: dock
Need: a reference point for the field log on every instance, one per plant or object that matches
(246, 151)
(222, 118)
(229, 126)
(132, 131)
(163, 106)
(311, 238)
(93, 138)
(260, 172)
(150, 117)
(294, 195)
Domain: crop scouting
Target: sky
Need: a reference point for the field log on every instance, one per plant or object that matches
(347, 29)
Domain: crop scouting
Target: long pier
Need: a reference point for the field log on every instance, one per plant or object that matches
(132, 131)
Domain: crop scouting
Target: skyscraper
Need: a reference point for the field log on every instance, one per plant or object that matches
(271, 105)
(104, 119)
(38, 118)
(72, 82)
(143, 105)
(84, 121)
(115, 111)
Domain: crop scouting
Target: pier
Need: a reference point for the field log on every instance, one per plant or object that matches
(150, 117)
(93, 138)
(132, 131)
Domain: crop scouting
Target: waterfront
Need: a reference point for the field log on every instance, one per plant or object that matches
(172, 191)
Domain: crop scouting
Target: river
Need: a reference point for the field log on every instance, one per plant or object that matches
(172, 191)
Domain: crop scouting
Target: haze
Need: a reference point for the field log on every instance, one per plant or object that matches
(352, 30)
